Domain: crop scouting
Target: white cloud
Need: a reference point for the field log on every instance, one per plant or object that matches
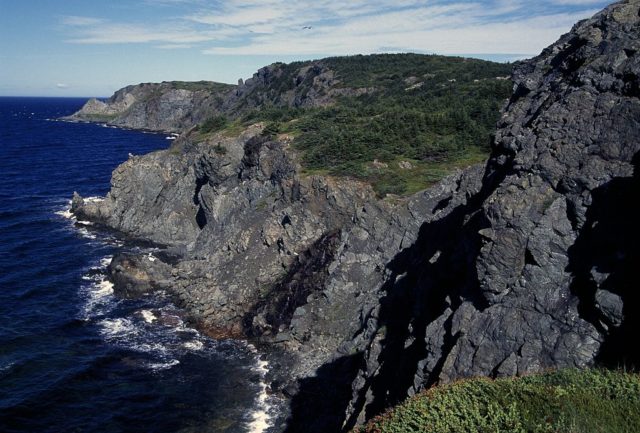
(577, 2)
(277, 27)
(62, 86)
(243, 17)
(115, 33)
(174, 46)
(78, 21)
(454, 29)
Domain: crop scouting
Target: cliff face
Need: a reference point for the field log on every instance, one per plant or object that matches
(535, 270)
(168, 106)
(514, 267)
(177, 106)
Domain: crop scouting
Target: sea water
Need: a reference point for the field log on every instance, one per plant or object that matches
(73, 356)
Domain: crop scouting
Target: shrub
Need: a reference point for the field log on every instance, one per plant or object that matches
(567, 401)
(213, 124)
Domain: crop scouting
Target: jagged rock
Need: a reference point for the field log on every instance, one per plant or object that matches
(177, 106)
(530, 291)
(166, 106)
(133, 276)
(518, 266)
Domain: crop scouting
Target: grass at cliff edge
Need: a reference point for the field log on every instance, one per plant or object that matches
(569, 401)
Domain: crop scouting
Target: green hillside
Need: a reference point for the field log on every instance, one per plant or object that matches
(569, 401)
(418, 117)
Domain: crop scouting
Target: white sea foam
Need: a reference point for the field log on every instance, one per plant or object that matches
(155, 366)
(86, 233)
(194, 345)
(104, 288)
(94, 199)
(154, 348)
(260, 418)
(98, 296)
(118, 328)
(171, 137)
(65, 213)
(104, 262)
(151, 257)
(6, 366)
(148, 316)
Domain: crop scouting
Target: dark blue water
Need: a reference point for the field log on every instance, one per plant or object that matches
(74, 358)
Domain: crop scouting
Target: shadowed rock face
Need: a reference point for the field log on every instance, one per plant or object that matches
(521, 265)
(534, 271)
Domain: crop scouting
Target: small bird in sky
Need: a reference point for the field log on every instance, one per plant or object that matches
(307, 28)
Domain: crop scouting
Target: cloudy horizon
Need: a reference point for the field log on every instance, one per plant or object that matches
(88, 48)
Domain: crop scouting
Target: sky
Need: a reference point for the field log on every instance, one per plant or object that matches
(94, 47)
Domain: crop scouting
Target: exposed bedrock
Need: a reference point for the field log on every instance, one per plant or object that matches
(534, 271)
(176, 106)
(510, 268)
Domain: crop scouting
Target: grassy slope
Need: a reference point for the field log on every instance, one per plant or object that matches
(569, 401)
(435, 112)
(194, 86)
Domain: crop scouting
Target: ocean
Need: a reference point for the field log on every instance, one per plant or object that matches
(73, 357)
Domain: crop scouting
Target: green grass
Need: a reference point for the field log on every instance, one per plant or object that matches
(394, 179)
(194, 86)
(568, 401)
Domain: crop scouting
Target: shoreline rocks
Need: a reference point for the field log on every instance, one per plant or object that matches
(515, 267)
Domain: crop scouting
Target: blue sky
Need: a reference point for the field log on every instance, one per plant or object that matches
(92, 48)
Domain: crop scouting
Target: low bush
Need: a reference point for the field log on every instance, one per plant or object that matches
(567, 401)
(213, 124)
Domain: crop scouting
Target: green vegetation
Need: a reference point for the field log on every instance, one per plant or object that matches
(213, 124)
(413, 120)
(95, 117)
(386, 69)
(569, 401)
(194, 86)
(435, 111)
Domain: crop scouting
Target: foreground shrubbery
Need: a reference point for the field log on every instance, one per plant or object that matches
(569, 401)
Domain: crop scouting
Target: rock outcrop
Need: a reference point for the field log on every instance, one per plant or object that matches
(534, 271)
(176, 106)
(518, 266)
(168, 106)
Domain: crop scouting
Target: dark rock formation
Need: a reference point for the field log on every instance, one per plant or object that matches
(167, 106)
(176, 106)
(530, 273)
(511, 268)
(135, 275)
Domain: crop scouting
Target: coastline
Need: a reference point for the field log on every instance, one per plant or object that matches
(267, 408)
(488, 272)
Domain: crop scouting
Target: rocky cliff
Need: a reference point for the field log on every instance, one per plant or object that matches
(512, 267)
(168, 106)
(176, 106)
